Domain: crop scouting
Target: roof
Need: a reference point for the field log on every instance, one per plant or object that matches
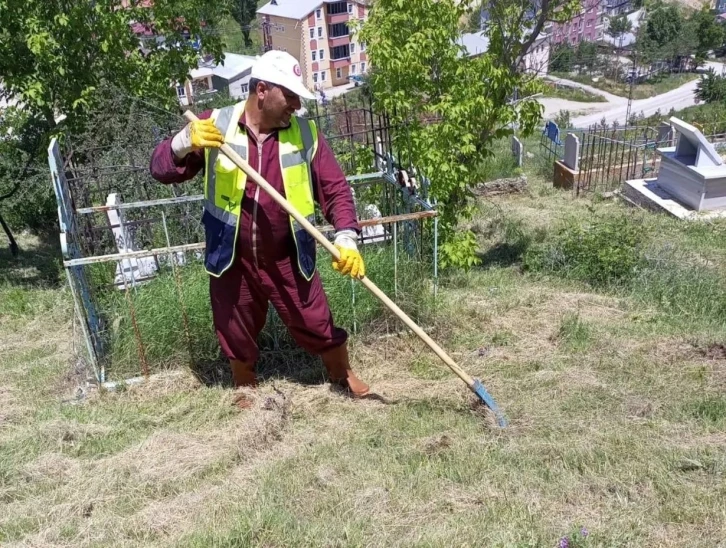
(624, 41)
(475, 43)
(234, 65)
(629, 38)
(291, 9)
(636, 18)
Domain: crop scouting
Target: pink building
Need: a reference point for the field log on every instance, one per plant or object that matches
(588, 25)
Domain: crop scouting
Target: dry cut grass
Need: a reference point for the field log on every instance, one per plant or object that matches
(617, 421)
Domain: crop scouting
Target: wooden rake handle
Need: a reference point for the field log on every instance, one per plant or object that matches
(322, 240)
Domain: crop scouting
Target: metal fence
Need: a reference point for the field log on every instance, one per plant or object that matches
(609, 157)
(133, 248)
(606, 157)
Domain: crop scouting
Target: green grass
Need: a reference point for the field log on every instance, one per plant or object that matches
(572, 94)
(645, 90)
(573, 332)
(157, 308)
(711, 118)
(612, 379)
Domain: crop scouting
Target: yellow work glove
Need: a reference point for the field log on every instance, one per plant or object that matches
(195, 136)
(350, 261)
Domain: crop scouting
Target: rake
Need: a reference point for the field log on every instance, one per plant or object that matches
(474, 385)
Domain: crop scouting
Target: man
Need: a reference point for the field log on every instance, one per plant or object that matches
(255, 252)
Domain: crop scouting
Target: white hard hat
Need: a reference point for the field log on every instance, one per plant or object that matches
(281, 68)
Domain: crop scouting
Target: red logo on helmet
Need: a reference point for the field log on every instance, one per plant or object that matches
(296, 70)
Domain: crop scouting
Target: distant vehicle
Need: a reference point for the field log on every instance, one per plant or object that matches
(357, 79)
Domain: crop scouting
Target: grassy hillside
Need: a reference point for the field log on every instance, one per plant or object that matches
(599, 329)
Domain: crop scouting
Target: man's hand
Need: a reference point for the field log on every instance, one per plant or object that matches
(350, 261)
(195, 136)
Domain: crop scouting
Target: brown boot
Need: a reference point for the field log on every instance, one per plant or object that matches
(339, 371)
(243, 373)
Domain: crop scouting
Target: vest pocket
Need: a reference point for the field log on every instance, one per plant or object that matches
(213, 232)
(226, 184)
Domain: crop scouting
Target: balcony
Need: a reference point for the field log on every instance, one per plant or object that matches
(332, 19)
(343, 40)
(339, 63)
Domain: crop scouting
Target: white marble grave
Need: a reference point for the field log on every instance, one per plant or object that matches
(128, 271)
(692, 172)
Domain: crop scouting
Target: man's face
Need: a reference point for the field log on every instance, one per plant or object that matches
(278, 103)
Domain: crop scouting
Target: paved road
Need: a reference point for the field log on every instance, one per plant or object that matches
(616, 108)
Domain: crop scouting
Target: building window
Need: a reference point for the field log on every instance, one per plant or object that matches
(318, 14)
(335, 8)
(362, 46)
(338, 73)
(320, 32)
(350, 7)
(352, 49)
(312, 33)
(340, 52)
(322, 54)
(322, 76)
(338, 30)
(245, 89)
(353, 68)
(363, 67)
(315, 55)
(315, 77)
(181, 91)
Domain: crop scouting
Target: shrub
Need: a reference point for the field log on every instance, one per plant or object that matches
(604, 252)
(711, 88)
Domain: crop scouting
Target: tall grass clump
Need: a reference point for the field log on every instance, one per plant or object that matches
(683, 284)
(620, 253)
(605, 252)
(157, 310)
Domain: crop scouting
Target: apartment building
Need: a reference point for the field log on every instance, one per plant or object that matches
(588, 25)
(317, 34)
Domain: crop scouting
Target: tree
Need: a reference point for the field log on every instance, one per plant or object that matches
(711, 88)
(245, 13)
(27, 198)
(56, 55)
(709, 34)
(663, 35)
(562, 57)
(586, 56)
(453, 106)
(618, 27)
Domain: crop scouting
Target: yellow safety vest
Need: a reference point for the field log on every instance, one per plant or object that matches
(224, 188)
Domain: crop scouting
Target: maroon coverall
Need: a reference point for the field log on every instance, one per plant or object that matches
(265, 267)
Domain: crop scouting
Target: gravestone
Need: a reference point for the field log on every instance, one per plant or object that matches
(553, 132)
(128, 271)
(517, 151)
(572, 152)
(692, 171)
(374, 233)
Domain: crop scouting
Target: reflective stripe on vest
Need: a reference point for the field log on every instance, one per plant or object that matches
(224, 189)
(298, 145)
